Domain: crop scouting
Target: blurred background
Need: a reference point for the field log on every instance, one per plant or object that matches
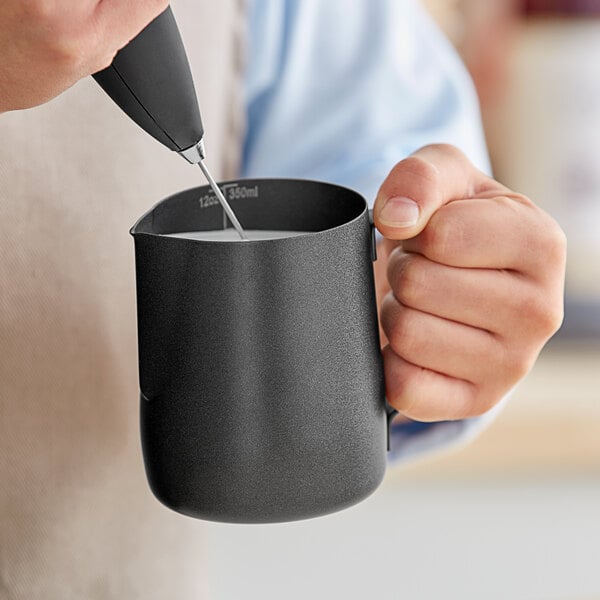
(516, 513)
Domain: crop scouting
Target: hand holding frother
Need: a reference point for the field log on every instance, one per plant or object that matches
(150, 79)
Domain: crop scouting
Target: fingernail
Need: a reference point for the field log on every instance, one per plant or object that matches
(399, 212)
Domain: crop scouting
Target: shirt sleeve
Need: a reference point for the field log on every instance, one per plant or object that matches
(341, 91)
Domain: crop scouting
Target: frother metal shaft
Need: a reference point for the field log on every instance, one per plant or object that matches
(222, 200)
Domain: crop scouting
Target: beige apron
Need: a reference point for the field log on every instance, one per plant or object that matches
(77, 520)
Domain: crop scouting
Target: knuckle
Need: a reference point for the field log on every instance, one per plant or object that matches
(67, 53)
(400, 398)
(62, 39)
(447, 150)
(525, 306)
(522, 364)
(518, 367)
(397, 322)
(556, 244)
(443, 236)
(39, 11)
(388, 313)
(420, 168)
(542, 312)
(512, 362)
(509, 203)
(516, 364)
(391, 319)
(82, 52)
(551, 238)
(406, 279)
(405, 387)
(480, 397)
(70, 40)
(549, 318)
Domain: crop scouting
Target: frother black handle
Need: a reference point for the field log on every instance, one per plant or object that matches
(150, 79)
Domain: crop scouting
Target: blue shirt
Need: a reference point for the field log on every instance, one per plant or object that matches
(341, 90)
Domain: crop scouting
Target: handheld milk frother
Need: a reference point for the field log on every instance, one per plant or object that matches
(150, 79)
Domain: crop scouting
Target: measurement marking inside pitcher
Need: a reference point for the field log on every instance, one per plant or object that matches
(207, 200)
(240, 191)
(231, 191)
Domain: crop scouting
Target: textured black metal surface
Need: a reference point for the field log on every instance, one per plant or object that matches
(260, 368)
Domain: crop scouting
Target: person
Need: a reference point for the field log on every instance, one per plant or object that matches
(469, 275)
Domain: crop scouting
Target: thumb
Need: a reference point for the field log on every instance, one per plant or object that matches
(420, 184)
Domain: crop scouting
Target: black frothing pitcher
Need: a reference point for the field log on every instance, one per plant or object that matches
(262, 388)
